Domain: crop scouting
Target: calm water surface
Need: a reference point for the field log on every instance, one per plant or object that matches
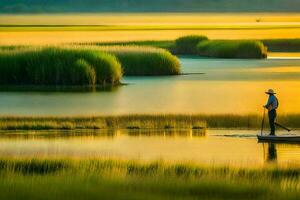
(238, 147)
(227, 86)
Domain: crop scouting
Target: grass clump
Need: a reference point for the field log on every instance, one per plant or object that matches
(232, 49)
(58, 66)
(201, 45)
(164, 44)
(135, 60)
(126, 179)
(188, 44)
(144, 61)
(282, 45)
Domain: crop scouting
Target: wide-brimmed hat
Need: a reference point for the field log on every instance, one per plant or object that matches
(270, 91)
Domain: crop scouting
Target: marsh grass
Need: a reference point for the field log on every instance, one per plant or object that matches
(187, 45)
(164, 44)
(272, 45)
(144, 61)
(232, 49)
(135, 60)
(201, 45)
(282, 45)
(58, 66)
(144, 121)
(127, 179)
(102, 122)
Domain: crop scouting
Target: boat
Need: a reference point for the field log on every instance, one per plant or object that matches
(279, 138)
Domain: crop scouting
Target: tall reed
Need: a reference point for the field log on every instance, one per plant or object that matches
(102, 122)
(58, 66)
(187, 45)
(282, 45)
(232, 49)
(144, 121)
(144, 61)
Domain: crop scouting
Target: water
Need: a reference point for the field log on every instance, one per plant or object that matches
(223, 147)
(227, 86)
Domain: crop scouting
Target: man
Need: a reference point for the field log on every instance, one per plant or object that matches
(272, 105)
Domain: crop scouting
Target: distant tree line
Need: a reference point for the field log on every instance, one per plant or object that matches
(36, 6)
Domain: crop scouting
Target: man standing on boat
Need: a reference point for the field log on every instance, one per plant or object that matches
(272, 105)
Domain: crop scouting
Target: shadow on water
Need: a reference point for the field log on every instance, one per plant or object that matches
(270, 150)
(272, 153)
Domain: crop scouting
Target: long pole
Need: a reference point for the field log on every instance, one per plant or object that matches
(281, 126)
(263, 122)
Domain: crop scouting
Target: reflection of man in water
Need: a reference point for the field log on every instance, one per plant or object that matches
(272, 153)
(272, 105)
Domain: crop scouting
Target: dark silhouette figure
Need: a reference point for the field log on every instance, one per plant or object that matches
(272, 105)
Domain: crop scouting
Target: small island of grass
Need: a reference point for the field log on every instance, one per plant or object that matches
(58, 66)
(82, 65)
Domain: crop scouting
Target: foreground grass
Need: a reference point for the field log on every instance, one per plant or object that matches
(58, 66)
(117, 179)
(154, 121)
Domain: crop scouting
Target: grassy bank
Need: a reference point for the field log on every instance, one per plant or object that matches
(143, 122)
(232, 49)
(164, 44)
(102, 122)
(201, 45)
(282, 45)
(273, 45)
(187, 45)
(135, 60)
(117, 179)
(144, 61)
(58, 66)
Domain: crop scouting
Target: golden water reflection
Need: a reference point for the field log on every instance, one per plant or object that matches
(237, 147)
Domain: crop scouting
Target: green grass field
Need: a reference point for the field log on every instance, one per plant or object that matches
(125, 179)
